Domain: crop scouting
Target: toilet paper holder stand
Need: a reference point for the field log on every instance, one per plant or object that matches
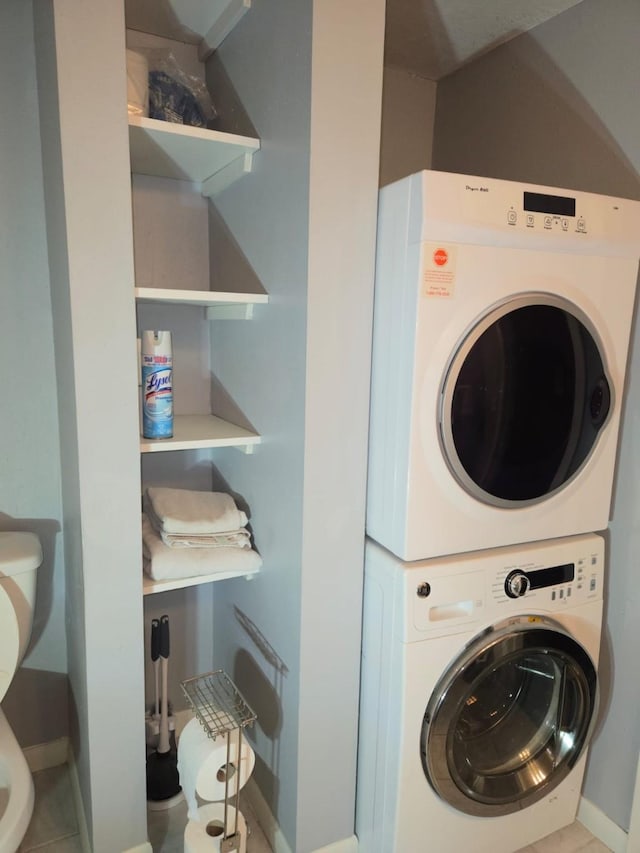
(221, 710)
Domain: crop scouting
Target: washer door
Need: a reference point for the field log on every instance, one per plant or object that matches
(523, 401)
(510, 718)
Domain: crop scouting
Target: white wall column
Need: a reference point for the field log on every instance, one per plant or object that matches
(83, 117)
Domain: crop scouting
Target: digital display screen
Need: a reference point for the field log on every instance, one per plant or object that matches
(551, 576)
(557, 205)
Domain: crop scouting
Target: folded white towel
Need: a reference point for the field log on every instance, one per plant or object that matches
(163, 563)
(183, 511)
(235, 539)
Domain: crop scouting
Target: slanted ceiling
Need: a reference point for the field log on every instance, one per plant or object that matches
(430, 38)
(433, 38)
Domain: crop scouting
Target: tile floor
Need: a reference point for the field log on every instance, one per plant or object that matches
(54, 827)
(571, 839)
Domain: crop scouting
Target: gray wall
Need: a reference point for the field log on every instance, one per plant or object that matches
(552, 106)
(558, 107)
(171, 245)
(29, 456)
(408, 113)
(304, 223)
(261, 365)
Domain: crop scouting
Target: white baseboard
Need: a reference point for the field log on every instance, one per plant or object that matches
(604, 829)
(346, 845)
(273, 833)
(267, 821)
(42, 756)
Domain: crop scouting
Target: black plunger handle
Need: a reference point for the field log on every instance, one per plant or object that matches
(164, 637)
(155, 639)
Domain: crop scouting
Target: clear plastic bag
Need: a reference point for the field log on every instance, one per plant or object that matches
(175, 95)
(137, 83)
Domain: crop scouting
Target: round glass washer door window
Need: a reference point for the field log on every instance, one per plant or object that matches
(523, 401)
(510, 718)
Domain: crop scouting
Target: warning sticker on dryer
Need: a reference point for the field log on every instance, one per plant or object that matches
(438, 269)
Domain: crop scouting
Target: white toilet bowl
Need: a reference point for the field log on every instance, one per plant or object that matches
(16, 790)
(20, 557)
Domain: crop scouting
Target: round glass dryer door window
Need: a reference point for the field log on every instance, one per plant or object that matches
(510, 718)
(523, 401)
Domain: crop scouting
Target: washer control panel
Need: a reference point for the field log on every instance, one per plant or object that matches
(517, 584)
(441, 595)
(558, 584)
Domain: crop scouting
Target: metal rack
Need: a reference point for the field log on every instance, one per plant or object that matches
(221, 710)
(217, 703)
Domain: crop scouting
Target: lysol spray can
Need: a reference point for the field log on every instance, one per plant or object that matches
(157, 385)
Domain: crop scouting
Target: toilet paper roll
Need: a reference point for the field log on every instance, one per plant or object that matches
(137, 83)
(203, 768)
(205, 832)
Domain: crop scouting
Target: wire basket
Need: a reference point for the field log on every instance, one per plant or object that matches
(217, 703)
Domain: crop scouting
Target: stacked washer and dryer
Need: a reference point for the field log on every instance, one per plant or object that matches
(501, 331)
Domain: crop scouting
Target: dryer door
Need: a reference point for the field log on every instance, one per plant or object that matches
(510, 718)
(523, 401)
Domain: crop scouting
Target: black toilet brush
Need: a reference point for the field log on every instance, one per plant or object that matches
(163, 780)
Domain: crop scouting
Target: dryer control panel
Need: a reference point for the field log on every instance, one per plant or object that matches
(467, 208)
(549, 212)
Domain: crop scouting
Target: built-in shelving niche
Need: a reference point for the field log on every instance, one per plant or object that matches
(212, 160)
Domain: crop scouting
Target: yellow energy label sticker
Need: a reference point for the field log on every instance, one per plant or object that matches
(438, 269)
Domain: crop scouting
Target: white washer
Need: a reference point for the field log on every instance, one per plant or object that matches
(501, 330)
(477, 707)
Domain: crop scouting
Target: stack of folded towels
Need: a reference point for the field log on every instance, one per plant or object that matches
(187, 533)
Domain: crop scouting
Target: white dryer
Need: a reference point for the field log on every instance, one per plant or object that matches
(501, 330)
(478, 696)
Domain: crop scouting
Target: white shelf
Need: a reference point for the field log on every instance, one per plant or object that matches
(219, 305)
(150, 587)
(209, 157)
(191, 432)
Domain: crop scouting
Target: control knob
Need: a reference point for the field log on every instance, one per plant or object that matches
(516, 584)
